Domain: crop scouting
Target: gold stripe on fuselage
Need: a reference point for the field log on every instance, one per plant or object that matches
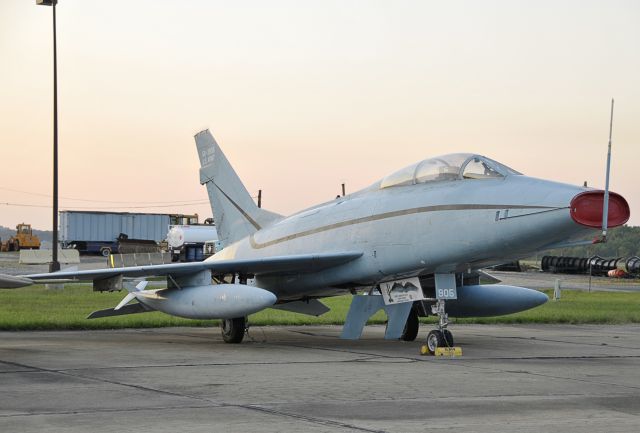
(423, 209)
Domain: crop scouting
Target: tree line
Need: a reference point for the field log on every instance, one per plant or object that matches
(621, 242)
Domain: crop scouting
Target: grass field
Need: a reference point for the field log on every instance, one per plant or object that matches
(38, 308)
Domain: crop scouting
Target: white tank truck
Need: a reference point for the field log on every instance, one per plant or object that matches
(186, 242)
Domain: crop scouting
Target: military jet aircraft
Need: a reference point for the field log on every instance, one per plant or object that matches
(435, 224)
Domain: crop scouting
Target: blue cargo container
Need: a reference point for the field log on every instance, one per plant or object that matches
(98, 232)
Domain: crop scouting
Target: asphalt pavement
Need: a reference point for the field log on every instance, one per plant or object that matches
(304, 379)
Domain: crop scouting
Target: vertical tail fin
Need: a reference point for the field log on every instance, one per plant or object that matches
(234, 211)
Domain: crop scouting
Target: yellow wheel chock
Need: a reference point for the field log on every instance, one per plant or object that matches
(442, 351)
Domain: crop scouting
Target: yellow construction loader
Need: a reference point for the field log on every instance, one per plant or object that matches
(23, 239)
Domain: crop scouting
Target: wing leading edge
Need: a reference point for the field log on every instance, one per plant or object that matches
(305, 263)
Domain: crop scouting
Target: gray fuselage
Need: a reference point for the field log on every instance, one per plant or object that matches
(437, 227)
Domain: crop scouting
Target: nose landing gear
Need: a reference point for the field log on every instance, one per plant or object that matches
(439, 338)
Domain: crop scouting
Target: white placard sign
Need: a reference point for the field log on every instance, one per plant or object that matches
(446, 286)
(399, 291)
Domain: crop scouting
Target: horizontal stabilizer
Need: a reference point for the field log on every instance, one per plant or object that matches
(127, 309)
(311, 307)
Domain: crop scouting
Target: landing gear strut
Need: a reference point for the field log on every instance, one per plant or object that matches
(440, 337)
(233, 329)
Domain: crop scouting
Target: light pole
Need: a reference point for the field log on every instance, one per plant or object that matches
(54, 265)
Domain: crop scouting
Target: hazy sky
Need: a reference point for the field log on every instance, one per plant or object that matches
(305, 95)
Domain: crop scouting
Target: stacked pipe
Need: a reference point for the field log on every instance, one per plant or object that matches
(600, 266)
(596, 265)
(633, 265)
(565, 265)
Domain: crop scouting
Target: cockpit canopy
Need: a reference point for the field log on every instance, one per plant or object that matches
(453, 166)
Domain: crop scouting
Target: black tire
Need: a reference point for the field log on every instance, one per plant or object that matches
(105, 252)
(412, 326)
(233, 329)
(435, 339)
(16, 246)
(448, 337)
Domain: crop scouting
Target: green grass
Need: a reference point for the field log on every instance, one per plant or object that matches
(576, 307)
(35, 308)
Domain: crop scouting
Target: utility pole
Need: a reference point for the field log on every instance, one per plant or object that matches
(54, 265)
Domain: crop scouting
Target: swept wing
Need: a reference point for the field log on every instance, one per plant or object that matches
(277, 265)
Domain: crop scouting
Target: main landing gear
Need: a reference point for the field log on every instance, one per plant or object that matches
(412, 326)
(440, 337)
(233, 330)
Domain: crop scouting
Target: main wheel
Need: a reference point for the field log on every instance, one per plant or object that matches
(412, 326)
(233, 329)
(435, 339)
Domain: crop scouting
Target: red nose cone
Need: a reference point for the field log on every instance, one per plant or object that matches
(586, 209)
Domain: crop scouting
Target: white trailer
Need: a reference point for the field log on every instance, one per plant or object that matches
(186, 242)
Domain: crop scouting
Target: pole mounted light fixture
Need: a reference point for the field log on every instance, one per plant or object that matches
(54, 265)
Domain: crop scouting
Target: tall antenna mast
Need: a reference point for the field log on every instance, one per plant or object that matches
(605, 209)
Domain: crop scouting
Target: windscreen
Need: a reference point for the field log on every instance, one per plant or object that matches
(454, 166)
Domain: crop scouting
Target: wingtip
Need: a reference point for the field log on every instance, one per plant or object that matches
(14, 282)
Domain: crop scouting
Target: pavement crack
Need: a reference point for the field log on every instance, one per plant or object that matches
(311, 419)
(311, 334)
(212, 364)
(209, 402)
(548, 376)
(577, 357)
(351, 352)
(105, 410)
(578, 343)
(96, 379)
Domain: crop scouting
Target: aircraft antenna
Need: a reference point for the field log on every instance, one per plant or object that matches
(605, 208)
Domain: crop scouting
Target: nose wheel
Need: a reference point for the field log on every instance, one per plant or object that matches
(438, 338)
(435, 339)
(448, 337)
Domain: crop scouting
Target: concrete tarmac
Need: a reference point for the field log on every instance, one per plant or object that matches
(540, 378)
